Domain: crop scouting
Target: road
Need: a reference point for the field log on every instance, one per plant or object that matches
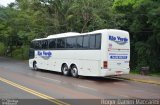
(18, 81)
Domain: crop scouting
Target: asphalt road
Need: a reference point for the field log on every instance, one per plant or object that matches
(18, 81)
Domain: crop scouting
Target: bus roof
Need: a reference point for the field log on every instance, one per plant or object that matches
(67, 34)
(59, 35)
(63, 34)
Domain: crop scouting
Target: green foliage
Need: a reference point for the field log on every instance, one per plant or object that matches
(25, 53)
(21, 53)
(142, 19)
(2, 49)
(17, 54)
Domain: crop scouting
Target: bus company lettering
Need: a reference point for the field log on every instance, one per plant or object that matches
(113, 56)
(118, 39)
(44, 54)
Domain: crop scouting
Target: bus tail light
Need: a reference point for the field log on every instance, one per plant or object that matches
(105, 64)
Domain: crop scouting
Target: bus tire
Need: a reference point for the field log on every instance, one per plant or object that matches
(35, 66)
(65, 70)
(74, 71)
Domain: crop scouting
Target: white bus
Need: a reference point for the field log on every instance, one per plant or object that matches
(100, 53)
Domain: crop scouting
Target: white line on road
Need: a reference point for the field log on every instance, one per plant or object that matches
(55, 80)
(81, 86)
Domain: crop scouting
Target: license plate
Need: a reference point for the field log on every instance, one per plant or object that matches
(118, 72)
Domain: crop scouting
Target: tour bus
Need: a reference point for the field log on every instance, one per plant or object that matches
(99, 53)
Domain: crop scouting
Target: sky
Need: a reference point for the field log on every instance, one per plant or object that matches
(5, 2)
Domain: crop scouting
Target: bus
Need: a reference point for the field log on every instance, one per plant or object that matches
(100, 53)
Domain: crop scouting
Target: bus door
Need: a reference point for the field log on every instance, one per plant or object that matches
(31, 53)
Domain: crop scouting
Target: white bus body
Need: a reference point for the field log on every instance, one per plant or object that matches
(112, 58)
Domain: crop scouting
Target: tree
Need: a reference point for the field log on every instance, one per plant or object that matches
(142, 18)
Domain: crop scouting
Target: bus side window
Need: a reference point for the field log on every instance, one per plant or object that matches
(44, 44)
(61, 43)
(92, 41)
(98, 41)
(79, 41)
(37, 44)
(85, 41)
(71, 42)
(52, 43)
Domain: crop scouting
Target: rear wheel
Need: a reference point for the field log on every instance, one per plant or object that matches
(65, 70)
(35, 66)
(74, 71)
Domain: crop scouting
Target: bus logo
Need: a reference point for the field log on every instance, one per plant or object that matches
(119, 40)
(44, 54)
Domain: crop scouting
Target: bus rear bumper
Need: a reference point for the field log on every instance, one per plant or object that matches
(113, 72)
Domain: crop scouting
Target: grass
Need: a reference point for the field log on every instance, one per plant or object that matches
(150, 74)
(155, 74)
(135, 72)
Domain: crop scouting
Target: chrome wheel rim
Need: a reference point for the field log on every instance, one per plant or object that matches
(65, 70)
(74, 71)
(35, 66)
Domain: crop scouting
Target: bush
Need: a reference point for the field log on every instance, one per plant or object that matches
(2, 49)
(25, 52)
(21, 53)
(17, 54)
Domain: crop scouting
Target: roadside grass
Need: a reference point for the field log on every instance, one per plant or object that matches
(150, 74)
(21, 53)
(155, 74)
(135, 72)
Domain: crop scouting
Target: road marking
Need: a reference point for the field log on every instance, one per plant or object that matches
(55, 80)
(41, 95)
(81, 86)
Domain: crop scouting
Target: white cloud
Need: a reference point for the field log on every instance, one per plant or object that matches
(6, 2)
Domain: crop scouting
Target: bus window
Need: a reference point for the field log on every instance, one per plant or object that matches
(71, 42)
(98, 41)
(52, 43)
(37, 44)
(61, 43)
(92, 41)
(85, 41)
(44, 44)
(79, 42)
